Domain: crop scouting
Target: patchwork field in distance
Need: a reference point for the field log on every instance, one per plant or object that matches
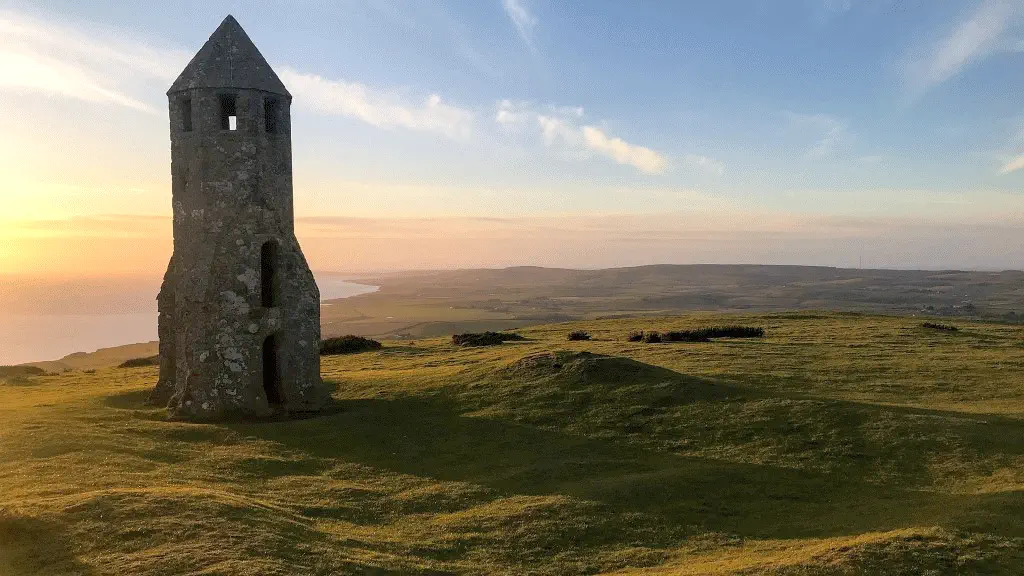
(838, 443)
(427, 304)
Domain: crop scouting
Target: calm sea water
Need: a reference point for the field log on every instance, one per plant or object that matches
(36, 337)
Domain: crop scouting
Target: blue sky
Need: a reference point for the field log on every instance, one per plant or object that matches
(771, 110)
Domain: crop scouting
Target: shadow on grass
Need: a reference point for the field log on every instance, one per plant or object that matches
(431, 440)
(434, 438)
(404, 350)
(34, 546)
(134, 400)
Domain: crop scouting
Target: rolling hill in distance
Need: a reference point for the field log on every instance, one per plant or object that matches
(416, 304)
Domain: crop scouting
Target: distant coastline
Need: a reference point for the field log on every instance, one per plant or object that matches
(34, 337)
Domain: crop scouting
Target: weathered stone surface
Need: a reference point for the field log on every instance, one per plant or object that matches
(229, 59)
(239, 320)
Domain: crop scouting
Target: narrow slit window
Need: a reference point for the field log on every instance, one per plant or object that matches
(186, 115)
(271, 371)
(270, 108)
(268, 271)
(228, 112)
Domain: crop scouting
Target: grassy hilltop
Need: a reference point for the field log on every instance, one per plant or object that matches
(837, 444)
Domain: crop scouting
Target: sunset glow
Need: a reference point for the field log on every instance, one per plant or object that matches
(480, 159)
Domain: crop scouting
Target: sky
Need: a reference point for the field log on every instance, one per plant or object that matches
(598, 133)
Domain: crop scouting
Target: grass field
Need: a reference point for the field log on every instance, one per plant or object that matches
(837, 444)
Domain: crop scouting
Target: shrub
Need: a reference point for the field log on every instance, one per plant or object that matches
(348, 344)
(705, 334)
(934, 326)
(140, 362)
(577, 335)
(733, 332)
(484, 338)
(699, 335)
(685, 336)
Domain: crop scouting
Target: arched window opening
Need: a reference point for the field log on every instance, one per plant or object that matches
(271, 372)
(268, 274)
(270, 113)
(186, 114)
(228, 112)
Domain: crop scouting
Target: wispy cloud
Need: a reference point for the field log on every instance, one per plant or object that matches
(828, 132)
(76, 62)
(643, 159)
(1013, 165)
(522, 19)
(376, 107)
(978, 35)
(565, 127)
(837, 6)
(104, 66)
(1012, 157)
(434, 21)
(706, 163)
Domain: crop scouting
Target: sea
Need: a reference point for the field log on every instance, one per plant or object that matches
(48, 333)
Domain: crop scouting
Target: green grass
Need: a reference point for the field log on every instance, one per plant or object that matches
(836, 444)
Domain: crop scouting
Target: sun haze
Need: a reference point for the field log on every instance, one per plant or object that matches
(435, 135)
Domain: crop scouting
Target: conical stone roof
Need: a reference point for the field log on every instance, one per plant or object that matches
(229, 59)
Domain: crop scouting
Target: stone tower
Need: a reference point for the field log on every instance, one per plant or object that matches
(239, 309)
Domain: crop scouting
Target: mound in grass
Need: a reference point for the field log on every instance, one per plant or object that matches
(637, 336)
(484, 338)
(20, 371)
(348, 345)
(586, 368)
(579, 335)
(140, 362)
(943, 327)
(547, 364)
(593, 394)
